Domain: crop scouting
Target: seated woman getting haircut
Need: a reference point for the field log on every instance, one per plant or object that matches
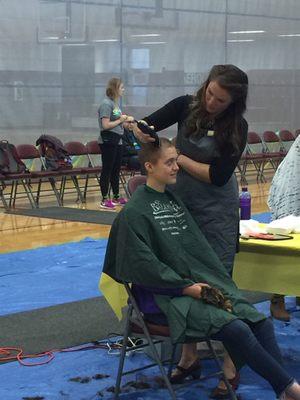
(179, 281)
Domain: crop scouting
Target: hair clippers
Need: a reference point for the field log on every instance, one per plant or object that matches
(148, 131)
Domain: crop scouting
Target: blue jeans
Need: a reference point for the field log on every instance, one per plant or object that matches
(256, 345)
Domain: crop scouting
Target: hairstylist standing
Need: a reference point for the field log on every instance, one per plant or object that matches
(211, 137)
(111, 120)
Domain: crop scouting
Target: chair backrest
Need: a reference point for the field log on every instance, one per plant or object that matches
(93, 147)
(27, 151)
(254, 143)
(30, 155)
(134, 182)
(287, 139)
(270, 136)
(94, 151)
(272, 142)
(78, 153)
(76, 148)
(253, 138)
(286, 136)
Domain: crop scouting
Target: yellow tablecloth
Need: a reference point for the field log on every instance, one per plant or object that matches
(115, 294)
(269, 266)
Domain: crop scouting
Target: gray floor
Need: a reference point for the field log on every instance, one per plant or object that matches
(69, 214)
(58, 327)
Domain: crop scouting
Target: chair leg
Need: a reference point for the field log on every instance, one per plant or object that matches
(4, 202)
(161, 367)
(29, 193)
(232, 395)
(86, 185)
(174, 347)
(123, 353)
(151, 344)
(158, 360)
(262, 176)
(55, 191)
(38, 192)
(76, 185)
(62, 188)
(244, 173)
(13, 193)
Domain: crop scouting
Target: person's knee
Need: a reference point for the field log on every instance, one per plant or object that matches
(266, 324)
(264, 327)
(237, 329)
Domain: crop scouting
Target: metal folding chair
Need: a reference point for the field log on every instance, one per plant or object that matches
(136, 326)
(273, 147)
(134, 182)
(30, 156)
(81, 164)
(287, 139)
(255, 155)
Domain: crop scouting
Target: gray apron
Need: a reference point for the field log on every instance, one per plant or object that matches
(214, 208)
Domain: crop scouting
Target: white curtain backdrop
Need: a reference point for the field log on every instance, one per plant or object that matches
(56, 57)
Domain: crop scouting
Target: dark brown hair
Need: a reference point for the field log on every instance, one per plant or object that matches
(227, 125)
(112, 88)
(151, 153)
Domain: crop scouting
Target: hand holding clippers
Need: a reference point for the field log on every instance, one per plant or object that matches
(145, 128)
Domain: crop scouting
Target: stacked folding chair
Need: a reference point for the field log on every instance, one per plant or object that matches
(273, 150)
(287, 139)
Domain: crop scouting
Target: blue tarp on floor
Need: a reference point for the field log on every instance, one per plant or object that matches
(52, 381)
(50, 275)
(54, 275)
(59, 274)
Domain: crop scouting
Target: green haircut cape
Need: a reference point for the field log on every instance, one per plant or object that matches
(155, 242)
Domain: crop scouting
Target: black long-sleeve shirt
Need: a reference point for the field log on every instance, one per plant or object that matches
(176, 111)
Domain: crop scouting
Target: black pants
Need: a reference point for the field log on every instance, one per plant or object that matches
(111, 165)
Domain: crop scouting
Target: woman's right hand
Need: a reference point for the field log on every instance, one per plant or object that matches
(194, 290)
(142, 137)
(123, 118)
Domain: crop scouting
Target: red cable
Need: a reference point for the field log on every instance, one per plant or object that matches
(6, 354)
(7, 351)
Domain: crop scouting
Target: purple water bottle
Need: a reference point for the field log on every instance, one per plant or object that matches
(245, 204)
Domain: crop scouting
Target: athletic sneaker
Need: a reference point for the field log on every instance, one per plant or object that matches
(119, 201)
(108, 204)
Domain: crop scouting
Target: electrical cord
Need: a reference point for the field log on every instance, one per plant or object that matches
(113, 347)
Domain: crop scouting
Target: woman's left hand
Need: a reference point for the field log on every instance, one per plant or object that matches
(194, 290)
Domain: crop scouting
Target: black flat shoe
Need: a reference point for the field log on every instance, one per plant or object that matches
(193, 370)
(220, 393)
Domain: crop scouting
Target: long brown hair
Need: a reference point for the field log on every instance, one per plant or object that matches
(227, 125)
(112, 88)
